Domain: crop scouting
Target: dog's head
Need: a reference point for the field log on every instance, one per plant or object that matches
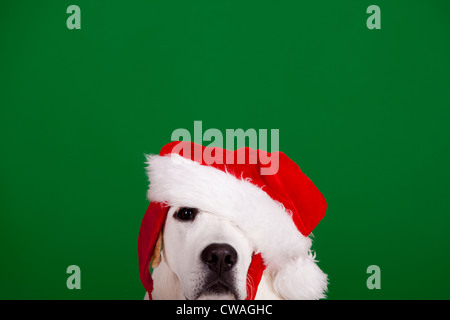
(208, 254)
(216, 217)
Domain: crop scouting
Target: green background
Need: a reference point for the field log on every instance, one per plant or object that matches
(365, 113)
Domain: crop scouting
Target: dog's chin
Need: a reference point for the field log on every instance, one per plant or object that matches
(217, 296)
(218, 291)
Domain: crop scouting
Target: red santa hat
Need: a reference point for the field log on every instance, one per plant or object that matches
(276, 211)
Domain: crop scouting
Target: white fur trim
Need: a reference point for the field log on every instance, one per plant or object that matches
(181, 182)
(301, 279)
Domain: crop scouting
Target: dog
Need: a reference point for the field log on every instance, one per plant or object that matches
(201, 256)
(226, 231)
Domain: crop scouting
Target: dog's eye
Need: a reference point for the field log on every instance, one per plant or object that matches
(186, 214)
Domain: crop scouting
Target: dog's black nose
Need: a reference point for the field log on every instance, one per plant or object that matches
(219, 257)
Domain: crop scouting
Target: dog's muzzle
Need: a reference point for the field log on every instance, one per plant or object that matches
(220, 258)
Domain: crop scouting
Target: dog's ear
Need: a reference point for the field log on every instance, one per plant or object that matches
(156, 256)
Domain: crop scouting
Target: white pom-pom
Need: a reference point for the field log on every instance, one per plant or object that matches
(301, 279)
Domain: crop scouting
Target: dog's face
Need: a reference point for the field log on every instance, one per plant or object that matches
(208, 254)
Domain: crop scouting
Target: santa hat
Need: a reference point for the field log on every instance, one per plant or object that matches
(276, 211)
